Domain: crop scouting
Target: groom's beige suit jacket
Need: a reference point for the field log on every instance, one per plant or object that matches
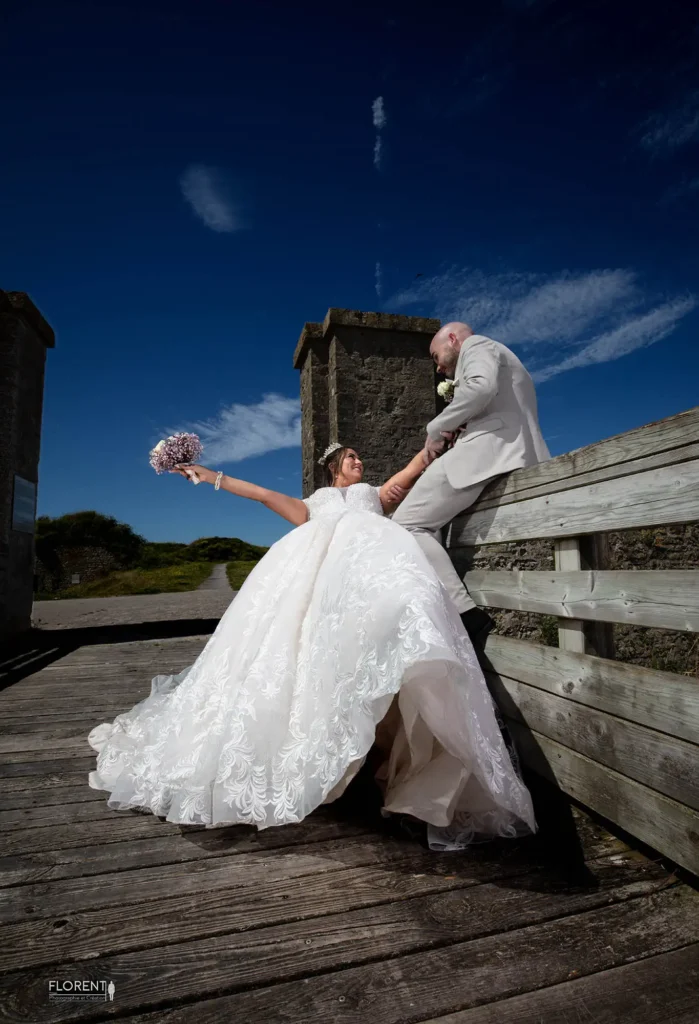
(495, 404)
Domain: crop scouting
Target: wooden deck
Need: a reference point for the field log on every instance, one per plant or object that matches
(340, 918)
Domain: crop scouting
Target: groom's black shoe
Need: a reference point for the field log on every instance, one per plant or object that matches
(478, 625)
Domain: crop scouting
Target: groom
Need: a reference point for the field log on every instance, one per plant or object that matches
(494, 414)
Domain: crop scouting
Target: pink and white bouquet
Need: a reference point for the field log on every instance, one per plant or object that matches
(177, 450)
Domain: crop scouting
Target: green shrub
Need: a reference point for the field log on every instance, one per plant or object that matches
(171, 579)
(238, 572)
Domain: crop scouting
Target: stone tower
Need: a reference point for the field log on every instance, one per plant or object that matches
(24, 338)
(367, 380)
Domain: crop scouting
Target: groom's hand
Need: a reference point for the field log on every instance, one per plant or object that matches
(432, 450)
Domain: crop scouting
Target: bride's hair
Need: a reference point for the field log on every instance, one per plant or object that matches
(334, 464)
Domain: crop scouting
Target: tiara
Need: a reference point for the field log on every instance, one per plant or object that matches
(334, 447)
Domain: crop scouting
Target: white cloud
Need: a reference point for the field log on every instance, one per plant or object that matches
(243, 431)
(638, 332)
(669, 129)
(379, 114)
(564, 321)
(379, 118)
(378, 279)
(207, 192)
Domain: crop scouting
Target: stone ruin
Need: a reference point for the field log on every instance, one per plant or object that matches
(367, 381)
(24, 338)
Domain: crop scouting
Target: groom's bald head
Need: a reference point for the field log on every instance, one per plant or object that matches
(446, 345)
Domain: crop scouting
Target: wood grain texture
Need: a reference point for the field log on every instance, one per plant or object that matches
(205, 967)
(237, 875)
(659, 700)
(439, 981)
(43, 816)
(155, 848)
(661, 762)
(571, 633)
(662, 823)
(664, 598)
(654, 498)
(43, 762)
(179, 917)
(655, 445)
(656, 990)
(12, 800)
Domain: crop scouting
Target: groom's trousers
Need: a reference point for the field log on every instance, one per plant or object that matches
(431, 504)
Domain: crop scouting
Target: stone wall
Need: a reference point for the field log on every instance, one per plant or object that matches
(24, 338)
(90, 563)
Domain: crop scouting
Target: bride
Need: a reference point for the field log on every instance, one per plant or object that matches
(341, 639)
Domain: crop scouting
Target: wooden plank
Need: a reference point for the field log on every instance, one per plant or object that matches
(79, 650)
(206, 967)
(27, 786)
(177, 918)
(58, 727)
(63, 717)
(439, 981)
(177, 846)
(595, 555)
(230, 864)
(657, 497)
(662, 823)
(234, 874)
(47, 732)
(656, 990)
(664, 598)
(571, 634)
(47, 698)
(21, 801)
(519, 486)
(659, 700)
(45, 742)
(124, 825)
(661, 762)
(651, 446)
(43, 763)
(50, 815)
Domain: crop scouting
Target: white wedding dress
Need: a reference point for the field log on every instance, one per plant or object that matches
(279, 711)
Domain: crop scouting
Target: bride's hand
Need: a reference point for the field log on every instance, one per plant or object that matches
(395, 494)
(206, 475)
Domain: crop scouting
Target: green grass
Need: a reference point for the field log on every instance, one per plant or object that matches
(171, 579)
(238, 572)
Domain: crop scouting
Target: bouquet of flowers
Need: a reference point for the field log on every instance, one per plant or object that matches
(445, 390)
(177, 450)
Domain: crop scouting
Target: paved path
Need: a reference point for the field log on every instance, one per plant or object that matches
(81, 612)
(217, 580)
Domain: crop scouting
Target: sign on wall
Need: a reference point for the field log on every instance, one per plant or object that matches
(24, 505)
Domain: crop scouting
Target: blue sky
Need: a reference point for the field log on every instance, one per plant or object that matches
(183, 186)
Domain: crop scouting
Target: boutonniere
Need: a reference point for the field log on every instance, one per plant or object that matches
(446, 388)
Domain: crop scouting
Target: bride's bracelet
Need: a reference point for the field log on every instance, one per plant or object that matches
(219, 478)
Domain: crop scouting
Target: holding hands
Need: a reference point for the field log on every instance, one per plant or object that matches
(433, 449)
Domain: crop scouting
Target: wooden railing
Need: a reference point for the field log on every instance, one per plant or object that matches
(621, 739)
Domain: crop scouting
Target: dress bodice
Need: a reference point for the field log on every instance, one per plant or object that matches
(334, 500)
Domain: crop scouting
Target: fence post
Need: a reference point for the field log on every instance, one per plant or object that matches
(576, 554)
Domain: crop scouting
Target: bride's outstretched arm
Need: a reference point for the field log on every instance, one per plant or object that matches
(396, 488)
(291, 509)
